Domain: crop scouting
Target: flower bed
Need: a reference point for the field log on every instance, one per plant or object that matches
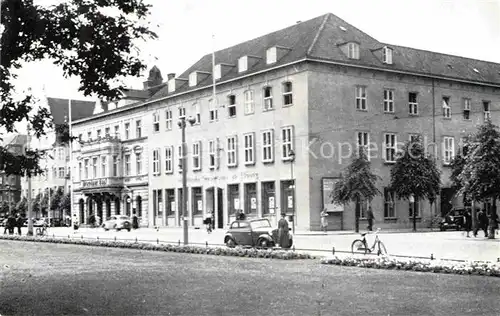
(218, 251)
(423, 265)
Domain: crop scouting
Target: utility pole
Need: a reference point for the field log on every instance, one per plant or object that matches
(182, 125)
(291, 153)
(30, 220)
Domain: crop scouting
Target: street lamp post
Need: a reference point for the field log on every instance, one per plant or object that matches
(182, 125)
(30, 220)
(291, 153)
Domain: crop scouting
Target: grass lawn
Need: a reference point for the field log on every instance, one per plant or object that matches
(55, 279)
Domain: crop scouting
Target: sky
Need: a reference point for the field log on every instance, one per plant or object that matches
(469, 28)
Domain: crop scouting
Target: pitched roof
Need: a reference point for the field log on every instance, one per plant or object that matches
(17, 140)
(321, 37)
(79, 109)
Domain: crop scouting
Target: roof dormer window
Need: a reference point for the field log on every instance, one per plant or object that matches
(271, 55)
(171, 85)
(243, 64)
(217, 72)
(387, 55)
(353, 50)
(193, 80)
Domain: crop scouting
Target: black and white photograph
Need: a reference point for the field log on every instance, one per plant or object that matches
(274, 157)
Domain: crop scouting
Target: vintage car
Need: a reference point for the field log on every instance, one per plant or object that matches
(454, 219)
(253, 232)
(118, 222)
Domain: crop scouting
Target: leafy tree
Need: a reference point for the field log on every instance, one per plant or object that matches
(357, 185)
(65, 205)
(93, 40)
(480, 177)
(55, 199)
(22, 206)
(416, 175)
(4, 207)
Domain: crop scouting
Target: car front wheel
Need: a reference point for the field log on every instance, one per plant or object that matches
(263, 243)
(230, 243)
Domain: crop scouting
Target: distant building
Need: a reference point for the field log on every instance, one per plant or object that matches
(10, 185)
(290, 109)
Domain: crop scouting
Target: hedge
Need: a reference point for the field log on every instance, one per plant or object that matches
(217, 251)
(423, 265)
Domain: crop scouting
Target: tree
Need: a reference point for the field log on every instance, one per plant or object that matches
(357, 185)
(93, 40)
(65, 205)
(22, 206)
(480, 177)
(4, 208)
(415, 176)
(55, 199)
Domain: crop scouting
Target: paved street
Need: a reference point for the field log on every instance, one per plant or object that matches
(448, 245)
(58, 279)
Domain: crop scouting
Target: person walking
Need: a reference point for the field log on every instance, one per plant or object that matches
(370, 218)
(283, 237)
(135, 220)
(75, 223)
(324, 220)
(11, 221)
(19, 223)
(467, 222)
(482, 223)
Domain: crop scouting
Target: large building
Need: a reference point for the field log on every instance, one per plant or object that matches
(10, 185)
(287, 112)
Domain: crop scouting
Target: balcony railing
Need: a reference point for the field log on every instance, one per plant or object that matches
(100, 143)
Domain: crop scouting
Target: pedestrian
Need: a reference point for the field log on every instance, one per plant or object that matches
(208, 222)
(6, 223)
(283, 235)
(324, 220)
(11, 221)
(482, 223)
(370, 218)
(467, 222)
(135, 220)
(241, 215)
(75, 223)
(19, 223)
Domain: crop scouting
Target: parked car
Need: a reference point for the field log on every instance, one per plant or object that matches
(39, 222)
(118, 222)
(252, 232)
(454, 219)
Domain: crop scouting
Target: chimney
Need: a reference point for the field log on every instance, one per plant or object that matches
(146, 84)
(171, 76)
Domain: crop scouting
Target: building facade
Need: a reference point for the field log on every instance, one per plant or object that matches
(286, 114)
(10, 185)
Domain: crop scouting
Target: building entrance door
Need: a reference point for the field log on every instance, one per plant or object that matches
(220, 208)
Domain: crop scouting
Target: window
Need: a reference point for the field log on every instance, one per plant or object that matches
(104, 166)
(98, 133)
(361, 98)
(389, 101)
(287, 196)
(286, 142)
(232, 156)
(61, 172)
(138, 164)
(231, 107)
(387, 55)
(287, 93)
(168, 119)
(389, 210)
(180, 151)
(182, 112)
(448, 149)
(213, 154)
(156, 162)
(197, 113)
(487, 111)
(156, 122)
(193, 80)
(250, 191)
(268, 98)
(213, 112)
(243, 64)
(169, 159)
(233, 197)
(390, 147)
(217, 72)
(412, 103)
(414, 138)
(94, 168)
(268, 197)
(170, 201)
(466, 109)
(115, 166)
(249, 148)
(127, 165)
(127, 130)
(80, 171)
(117, 131)
(138, 129)
(353, 50)
(60, 153)
(363, 208)
(197, 200)
(196, 156)
(363, 142)
(446, 107)
(248, 100)
(415, 205)
(267, 146)
(271, 55)
(106, 132)
(89, 136)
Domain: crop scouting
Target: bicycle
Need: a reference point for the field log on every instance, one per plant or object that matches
(361, 246)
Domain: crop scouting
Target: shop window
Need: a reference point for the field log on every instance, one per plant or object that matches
(233, 195)
(197, 200)
(250, 198)
(268, 198)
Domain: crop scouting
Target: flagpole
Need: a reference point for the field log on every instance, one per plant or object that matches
(70, 163)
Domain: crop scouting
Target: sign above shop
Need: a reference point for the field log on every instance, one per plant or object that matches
(328, 186)
(94, 183)
(137, 149)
